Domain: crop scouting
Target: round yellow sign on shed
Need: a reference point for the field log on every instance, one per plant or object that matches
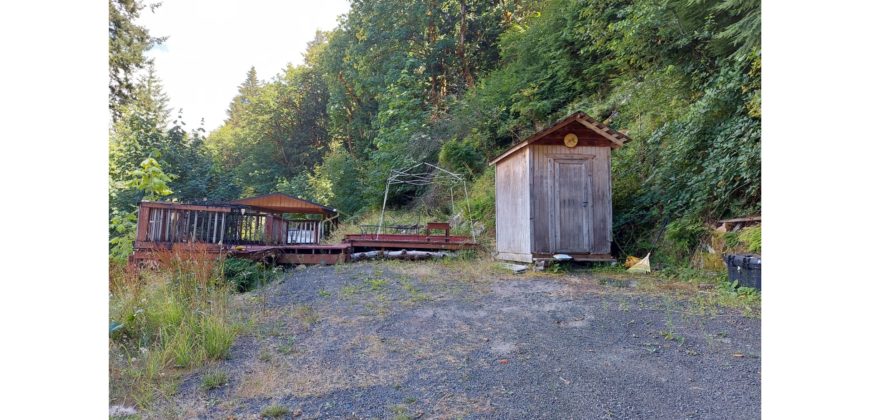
(570, 139)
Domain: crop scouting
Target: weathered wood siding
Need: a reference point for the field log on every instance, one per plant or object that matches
(512, 204)
(541, 214)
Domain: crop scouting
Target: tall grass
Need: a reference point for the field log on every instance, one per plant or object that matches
(173, 319)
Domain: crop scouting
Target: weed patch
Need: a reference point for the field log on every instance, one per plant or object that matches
(306, 315)
(275, 411)
(288, 347)
(165, 323)
(400, 412)
(376, 284)
(213, 380)
(350, 291)
(416, 294)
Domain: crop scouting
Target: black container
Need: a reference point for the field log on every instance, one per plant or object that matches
(745, 268)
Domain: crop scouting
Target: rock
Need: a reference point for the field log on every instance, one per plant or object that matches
(121, 411)
(516, 268)
(542, 264)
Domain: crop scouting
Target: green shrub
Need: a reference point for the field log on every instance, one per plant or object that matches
(681, 238)
(244, 274)
(462, 156)
(481, 199)
(751, 239)
(732, 239)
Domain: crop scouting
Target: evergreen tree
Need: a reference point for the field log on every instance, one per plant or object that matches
(242, 101)
(128, 42)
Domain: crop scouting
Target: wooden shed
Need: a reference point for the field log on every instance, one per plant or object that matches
(553, 192)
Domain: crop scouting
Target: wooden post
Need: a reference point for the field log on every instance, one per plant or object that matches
(214, 231)
(223, 224)
(267, 228)
(195, 217)
(168, 224)
(158, 221)
(142, 223)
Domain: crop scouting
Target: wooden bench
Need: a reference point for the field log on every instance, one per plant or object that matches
(445, 226)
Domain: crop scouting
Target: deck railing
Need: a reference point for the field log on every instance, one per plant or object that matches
(178, 225)
(304, 231)
(163, 223)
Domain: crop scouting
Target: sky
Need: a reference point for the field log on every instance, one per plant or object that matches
(212, 45)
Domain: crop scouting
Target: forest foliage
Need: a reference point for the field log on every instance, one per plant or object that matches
(456, 82)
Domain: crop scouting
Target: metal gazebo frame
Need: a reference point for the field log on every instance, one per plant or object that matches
(429, 175)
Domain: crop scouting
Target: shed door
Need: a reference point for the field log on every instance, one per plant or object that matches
(571, 219)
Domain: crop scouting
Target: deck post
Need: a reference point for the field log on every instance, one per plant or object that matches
(214, 230)
(223, 223)
(142, 223)
(195, 215)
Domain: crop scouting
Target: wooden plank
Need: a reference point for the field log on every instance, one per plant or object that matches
(311, 259)
(512, 204)
(558, 215)
(599, 128)
(551, 212)
(592, 257)
(379, 244)
(531, 197)
(142, 224)
(741, 219)
(178, 206)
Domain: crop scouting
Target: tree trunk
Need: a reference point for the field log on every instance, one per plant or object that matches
(463, 28)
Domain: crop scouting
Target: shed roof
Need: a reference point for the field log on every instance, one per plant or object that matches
(284, 203)
(615, 138)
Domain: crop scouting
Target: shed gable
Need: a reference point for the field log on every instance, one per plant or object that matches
(589, 133)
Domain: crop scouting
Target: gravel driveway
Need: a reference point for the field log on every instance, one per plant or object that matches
(423, 340)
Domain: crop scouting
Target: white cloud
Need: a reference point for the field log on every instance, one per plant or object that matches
(212, 44)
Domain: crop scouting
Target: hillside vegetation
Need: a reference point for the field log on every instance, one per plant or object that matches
(457, 82)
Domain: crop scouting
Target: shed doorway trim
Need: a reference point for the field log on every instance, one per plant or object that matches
(570, 196)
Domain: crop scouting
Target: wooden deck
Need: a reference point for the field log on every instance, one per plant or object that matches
(294, 254)
(263, 234)
(405, 241)
(280, 254)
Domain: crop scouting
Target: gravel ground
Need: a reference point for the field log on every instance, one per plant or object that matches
(422, 340)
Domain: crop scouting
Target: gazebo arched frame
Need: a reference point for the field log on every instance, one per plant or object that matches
(423, 174)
